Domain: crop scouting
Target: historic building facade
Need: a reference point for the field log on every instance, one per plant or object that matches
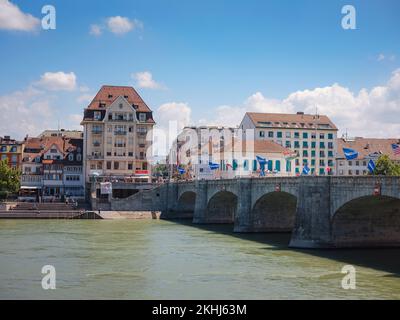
(117, 135)
(11, 151)
(312, 137)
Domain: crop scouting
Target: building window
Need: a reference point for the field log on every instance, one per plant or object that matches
(297, 144)
(297, 135)
(130, 166)
(270, 134)
(322, 145)
(305, 153)
(305, 135)
(322, 136)
(288, 144)
(108, 165)
(97, 115)
(305, 144)
(330, 136)
(288, 134)
(116, 165)
(350, 163)
(142, 117)
(330, 145)
(313, 144)
(279, 134)
(262, 134)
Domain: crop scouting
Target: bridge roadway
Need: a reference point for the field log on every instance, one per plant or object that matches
(321, 212)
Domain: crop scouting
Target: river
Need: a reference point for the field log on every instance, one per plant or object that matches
(156, 259)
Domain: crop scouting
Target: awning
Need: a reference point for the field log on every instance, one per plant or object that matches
(30, 188)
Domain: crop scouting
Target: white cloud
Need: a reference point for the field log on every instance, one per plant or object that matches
(121, 25)
(145, 80)
(57, 81)
(173, 111)
(381, 57)
(85, 98)
(12, 18)
(95, 30)
(74, 121)
(25, 112)
(117, 25)
(369, 113)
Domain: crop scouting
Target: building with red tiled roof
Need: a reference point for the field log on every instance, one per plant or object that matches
(117, 135)
(367, 148)
(312, 137)
(197, 146)
(52, 167)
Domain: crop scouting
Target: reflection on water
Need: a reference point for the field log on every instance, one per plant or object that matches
(150, 259)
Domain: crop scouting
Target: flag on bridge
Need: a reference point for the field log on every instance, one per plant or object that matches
(306, 170)
(181, 171)
(213, 166)
(396, 148)
(371, 166)
(350, 154)
(262, 161)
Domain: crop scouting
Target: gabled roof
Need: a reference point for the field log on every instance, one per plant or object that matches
(291, 121)
(368, 146)
(107, 95)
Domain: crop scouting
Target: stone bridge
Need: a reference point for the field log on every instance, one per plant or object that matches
(321, 212)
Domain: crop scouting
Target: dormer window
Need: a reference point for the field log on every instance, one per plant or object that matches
(121, 105)
(110, 96)
(142, 117)
(97, 115)
(102, 105)
(126, 97)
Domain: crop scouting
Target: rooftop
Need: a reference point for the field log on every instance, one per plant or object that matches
(368, 147)
(298, 120)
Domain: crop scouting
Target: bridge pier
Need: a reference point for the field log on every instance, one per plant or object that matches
(312, 224)
(200, 208)
(243, 221)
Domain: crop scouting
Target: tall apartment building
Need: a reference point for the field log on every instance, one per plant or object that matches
(117, 135)
(312, 137)
(11, 150)
(368, 149)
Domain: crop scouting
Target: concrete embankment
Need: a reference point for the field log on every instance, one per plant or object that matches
(49, 215)
(121, 215)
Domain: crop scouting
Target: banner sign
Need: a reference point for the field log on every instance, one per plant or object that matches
(105, 187)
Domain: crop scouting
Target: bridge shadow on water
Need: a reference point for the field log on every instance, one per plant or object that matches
(382, 259)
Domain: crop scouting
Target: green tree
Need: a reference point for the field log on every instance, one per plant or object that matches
(386, 167)
(161, 170)
(9, 179)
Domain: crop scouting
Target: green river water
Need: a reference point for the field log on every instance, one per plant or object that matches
(155, 259)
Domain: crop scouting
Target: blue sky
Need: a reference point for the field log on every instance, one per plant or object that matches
(208, 54)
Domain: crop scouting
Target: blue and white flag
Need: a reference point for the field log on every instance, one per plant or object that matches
(261, 160)
(306, 170)
(350, 154)
(213, 166)
(181, 171)
(371, 166)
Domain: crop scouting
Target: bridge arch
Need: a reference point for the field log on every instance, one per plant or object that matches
(186, 204)
(274, 212)
(367, 221)
(222, 207)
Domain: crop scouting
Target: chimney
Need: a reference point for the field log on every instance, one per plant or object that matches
(300, 112)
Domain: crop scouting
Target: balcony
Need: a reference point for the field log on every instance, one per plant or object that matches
(97, 131)
(120, 133)
(95, 157)
(96, 144)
